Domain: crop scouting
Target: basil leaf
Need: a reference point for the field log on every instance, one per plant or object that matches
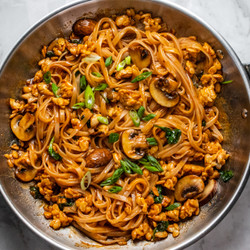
(103, 120)
(161, 227)
(47, 77)
(172, 135)
(226, 175)
(113, 137)
(101, 87)
(69, 203)
(114, 178)
(173, 206)
(142, 76)
(158, 199)
(203, 123)
(108, 61)
(141, 111)
(52, 153)
(78, 105)
(34, 191)
(50, 53)
(83, 83)
(226, 82)
(152, 141)
(135, 118)
(97, 74)
(55, 89)
(126, 167)
(89, 97)
(135, 168)
(148, 117)
(115, 189)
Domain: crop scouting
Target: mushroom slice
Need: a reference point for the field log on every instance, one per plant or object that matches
(208, 192)
(188, 187)
(22, 126)
(133, 144)
(140, 56)
(99, 157)
(162, 97)
(83, 27)
(25, 174)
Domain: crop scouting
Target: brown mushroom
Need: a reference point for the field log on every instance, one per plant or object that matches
(25, 174)
(83, 27)
(133, 144)
(140, 56)
(208, 192)
(22, 126)
(161, 96)
(99, 157)
(188, 187)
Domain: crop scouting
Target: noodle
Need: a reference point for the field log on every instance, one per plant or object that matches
(118, 129)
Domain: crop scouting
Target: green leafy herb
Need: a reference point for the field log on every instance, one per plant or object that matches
(103, 120)
(101, 87)
(161, 227)
(134, 167)
(172, 135)
(148, 117)
(158, 199)
(50, 53)
(173, 206)
(69, 203)
(113, 137)
(52, 153)
(128, 60)
(34, 191)
(83, 83)
(126, 167)
(47, 77)
(226, 175)
(115, 189)
(226, 82)
(142, 76)
(203, 123)
(114, 178)
(141, 111)
(135, 118)
(78, 105)
(76, 41)
(55, 89)
(89, 97)
(97, 74)
(150, 163)
(152, 141)
(108, 61)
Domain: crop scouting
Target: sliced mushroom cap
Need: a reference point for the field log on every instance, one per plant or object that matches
(208, 192)
(162, 97)
(133, 144)
(83, 27)
(22, 126)
(140, 56)
(99, 157)
(25, 174)
(188, 187)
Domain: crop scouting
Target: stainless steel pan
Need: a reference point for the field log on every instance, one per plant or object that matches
(20, 65)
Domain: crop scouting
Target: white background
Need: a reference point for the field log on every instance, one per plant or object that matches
(231, 18)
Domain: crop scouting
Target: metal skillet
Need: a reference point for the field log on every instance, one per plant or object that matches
(20, 65)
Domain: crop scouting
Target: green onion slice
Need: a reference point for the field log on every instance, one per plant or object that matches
(103, 120)
(108, 61)
(78, 105)
(135, 118)
(47, 77)
(89, 97)
(115, 189)
(142, 76)
(86, 177)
